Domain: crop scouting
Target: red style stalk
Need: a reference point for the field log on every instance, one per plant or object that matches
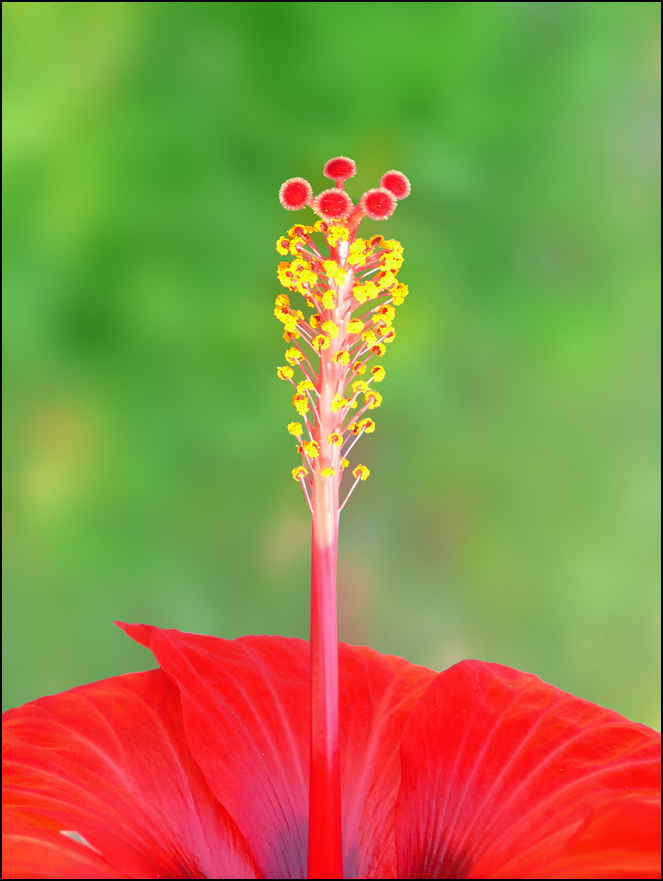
(335, 285)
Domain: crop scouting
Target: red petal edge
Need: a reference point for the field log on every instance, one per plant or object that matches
(251, 695)
(504, 776)
(108, 765)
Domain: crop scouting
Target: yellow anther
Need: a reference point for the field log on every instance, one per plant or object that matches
(372, 399)
(378, 373)
(341, 358)
(367, 291)
(354, 428)
(291, 335)
(335, 439)
(330, 328)
(320, 342)
(328, 300)
(378, 350)
(399, 293)
(338, 401)
(361, 471)
(282, 300)
(295, 428)
(299, 472)
(286, 276)
(357, 253)
(385, 279)
(355, 326)
(282, 245)
(369, 337)
(328, 472)
(333, 271)
(315, 320)
(358, 367)
(299, 230)
(389, 336)
(284, 372)
(305, 384)
(290, 322)
(376, 242)
(359, 387)
(386, 313)
(300, 403)
(336, 234)
(311, 449)
(295, 243)
(367, 426)
(344, 463)
(294, 356)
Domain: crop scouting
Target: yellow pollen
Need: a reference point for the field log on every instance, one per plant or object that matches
(338, 401)
(328, 300)
(378, 350)
(367, 426)
(389, 336)
(399, 293)
(354, 428)
(282, 300)
(357, 253)
(290, 322)
(378, 373)
(369, 337)
(355, 326)
(359, 386)
(299, 472)
(361, 471)
(295, 428)
(315, 320)
(311, 449)
(386, 312)
(358, 367)
(284, 372)
(320, 342)
(344, 463)
(282, 245)
(328, 472)
(330, 328)
(300, 403)
(373, 400)
(336, 234)
(305, 384)
(341, 358)
(294, 356)
(335, 439)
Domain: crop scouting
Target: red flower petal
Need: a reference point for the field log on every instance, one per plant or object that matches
(246, 714)
(504, 776)
(108, 765)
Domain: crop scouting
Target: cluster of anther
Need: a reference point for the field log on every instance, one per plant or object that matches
(338, 275)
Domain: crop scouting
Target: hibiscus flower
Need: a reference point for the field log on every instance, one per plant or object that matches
(267, 757)
(200, 770)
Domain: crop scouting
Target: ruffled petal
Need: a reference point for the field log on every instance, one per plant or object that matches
(246, 714)
(504, 776)
(98, 782)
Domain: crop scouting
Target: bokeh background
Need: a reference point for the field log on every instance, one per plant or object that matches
(512, 509)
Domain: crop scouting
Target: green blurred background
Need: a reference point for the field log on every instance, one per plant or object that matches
(512, 510)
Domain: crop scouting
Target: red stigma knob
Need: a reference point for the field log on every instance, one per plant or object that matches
(295, 193)
(333, 204)
(339, 169)
(397, 183)
(378, 204)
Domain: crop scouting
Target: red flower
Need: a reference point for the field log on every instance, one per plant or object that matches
(200, 769)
